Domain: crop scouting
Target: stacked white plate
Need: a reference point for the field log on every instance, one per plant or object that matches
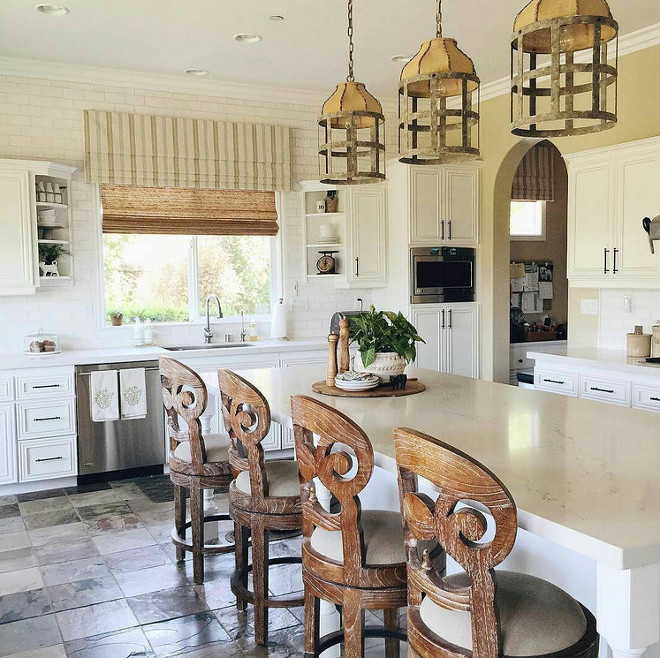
(353, 381)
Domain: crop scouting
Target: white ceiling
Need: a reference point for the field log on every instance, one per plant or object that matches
(306, 51)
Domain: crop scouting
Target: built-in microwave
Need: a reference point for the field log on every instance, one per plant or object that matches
(441, 274)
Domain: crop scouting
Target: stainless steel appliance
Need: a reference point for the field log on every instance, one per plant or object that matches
(340, 315)
(441, 274)
(135, 446)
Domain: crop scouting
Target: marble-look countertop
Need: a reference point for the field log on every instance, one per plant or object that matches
(583, 475)
(599, 358)
(13, 361)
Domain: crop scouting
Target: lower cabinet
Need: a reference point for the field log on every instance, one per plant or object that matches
(43, 459)
(451, 335)
(8, 474)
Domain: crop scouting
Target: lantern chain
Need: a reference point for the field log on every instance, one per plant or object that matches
(350, 77)
(438, 20)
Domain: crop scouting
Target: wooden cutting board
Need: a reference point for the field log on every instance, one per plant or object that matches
(383, 391)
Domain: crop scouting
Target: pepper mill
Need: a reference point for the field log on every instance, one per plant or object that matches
(332, 360)
(344, 355)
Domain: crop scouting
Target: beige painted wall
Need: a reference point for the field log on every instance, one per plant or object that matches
(553, 248)
(639, 99)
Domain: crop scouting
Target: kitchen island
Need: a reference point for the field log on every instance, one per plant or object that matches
(585, 482)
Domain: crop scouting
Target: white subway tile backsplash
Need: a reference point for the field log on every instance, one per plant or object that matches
(616, 322)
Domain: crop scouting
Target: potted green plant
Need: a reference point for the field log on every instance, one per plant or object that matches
(49, 254)
(386, 342)
(116, 318)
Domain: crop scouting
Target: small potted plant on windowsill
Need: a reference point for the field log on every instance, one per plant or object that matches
(116, 318)
(386, 342)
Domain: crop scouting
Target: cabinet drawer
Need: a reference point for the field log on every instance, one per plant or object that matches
(556, 381)
(605, 390)
(44, 459)
(44, 384)
(646, 397)
(6, 388)
(43, 419)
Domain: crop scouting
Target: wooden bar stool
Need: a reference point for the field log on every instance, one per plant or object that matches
(196, 462)
(481, 612)
(265, 496)
(352, 558)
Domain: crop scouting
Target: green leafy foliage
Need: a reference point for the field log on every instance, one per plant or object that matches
(385, 331)
(156, 313)
(49, 253)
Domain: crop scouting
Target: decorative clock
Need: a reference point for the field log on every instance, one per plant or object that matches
(327, 264)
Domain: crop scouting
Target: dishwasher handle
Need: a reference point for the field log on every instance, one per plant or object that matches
(87, 374)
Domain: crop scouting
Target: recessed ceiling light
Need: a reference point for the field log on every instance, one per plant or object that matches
(276, 18)
(399, 59)
(247, 38)
(198, 72)
(53, 10)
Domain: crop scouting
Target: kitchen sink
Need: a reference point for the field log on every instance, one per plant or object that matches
(212, 346)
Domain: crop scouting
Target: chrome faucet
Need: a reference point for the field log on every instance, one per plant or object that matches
(243, 334)
(208, 334)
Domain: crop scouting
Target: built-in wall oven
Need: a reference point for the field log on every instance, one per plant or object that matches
(441, 274)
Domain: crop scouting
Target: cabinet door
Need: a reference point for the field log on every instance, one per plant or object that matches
(461, 204)
(431, 326)
(462, 340)
(7, 445)
(18, 274)
(368, 248)
(590, 208)
(638, 187)
(425, 212)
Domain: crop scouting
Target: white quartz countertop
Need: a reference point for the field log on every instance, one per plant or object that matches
(598, 358)
(12, 360)
(583, 475)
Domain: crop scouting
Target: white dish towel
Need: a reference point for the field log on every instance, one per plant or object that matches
(104, 397)
(133, 393)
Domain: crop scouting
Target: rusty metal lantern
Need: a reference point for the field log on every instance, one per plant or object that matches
(438, 104)
(351, 139)
(562, 83)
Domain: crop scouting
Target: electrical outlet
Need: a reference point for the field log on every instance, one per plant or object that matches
(358, 304)
(627, 304)
(295, 288)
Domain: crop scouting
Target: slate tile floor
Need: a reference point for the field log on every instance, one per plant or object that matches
(89, 572)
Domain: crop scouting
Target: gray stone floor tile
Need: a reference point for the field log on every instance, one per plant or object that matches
(45, 505)
(115, 542)
(9, 511)
(56, 651)
(50, 518)
(8, 500)
(39, 495)
(68, 532)
(17, 559)
(130, 642)
(95, 619)
(65, 551)
(137, 559)
(11, 524)
(91, 498)
(70, 572)
(167, 604)
(20, 581)
(113, 523)
(84, 592)
(23, 605)
(29, 634)
(167, 576)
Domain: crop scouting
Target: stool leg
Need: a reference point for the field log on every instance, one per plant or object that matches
(241, 537)
(312, 605)
(180, 518)
(197, 518)
(353, 615)
(391, 618)
(260, 580)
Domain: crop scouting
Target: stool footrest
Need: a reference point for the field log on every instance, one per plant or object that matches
(336, 637)
(208, 549)
(242, 593)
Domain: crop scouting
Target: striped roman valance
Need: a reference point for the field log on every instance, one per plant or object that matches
(157, 151)
(187, 211)
(534, 179)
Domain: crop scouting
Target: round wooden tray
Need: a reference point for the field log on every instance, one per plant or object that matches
(383, 391)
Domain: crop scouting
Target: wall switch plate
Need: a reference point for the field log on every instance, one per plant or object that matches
(589, 307)
(627, 303)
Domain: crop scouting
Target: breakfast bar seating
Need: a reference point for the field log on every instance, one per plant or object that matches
(265, 496)
(480, 612)
(196, 462)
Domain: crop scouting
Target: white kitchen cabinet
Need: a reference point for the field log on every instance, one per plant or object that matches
(451, 332)
(461, 204)
(8, 473)
(610, 191)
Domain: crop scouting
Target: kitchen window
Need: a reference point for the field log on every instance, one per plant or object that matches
(527, 220)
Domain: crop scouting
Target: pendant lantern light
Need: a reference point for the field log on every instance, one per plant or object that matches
(438, 103)
(560, 75)
(351, 143)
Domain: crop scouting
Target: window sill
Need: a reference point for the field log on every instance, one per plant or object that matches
(236, 319)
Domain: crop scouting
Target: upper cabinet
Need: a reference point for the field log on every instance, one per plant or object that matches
(610, 192)
(443, 204)
(34, 218)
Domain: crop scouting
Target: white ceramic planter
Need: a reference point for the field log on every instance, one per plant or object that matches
(385, 365)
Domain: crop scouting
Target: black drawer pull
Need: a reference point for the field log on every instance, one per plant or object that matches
(655, 399)
(36, 420)
(46, 386)
(602, 390)
(48, 459)
(554, 381)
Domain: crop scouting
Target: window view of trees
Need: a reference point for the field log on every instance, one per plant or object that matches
(168, 277)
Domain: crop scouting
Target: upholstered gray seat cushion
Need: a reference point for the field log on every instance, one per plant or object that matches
(217, 449)
(536, 617)
(383, 539)
(282, 479)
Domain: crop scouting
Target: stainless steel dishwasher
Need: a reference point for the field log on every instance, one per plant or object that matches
(124, 447)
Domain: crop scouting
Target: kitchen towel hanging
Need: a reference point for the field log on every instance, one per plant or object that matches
(132, 393)
(104, 398)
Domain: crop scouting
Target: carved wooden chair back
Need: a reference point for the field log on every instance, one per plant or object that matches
(184, 395)
(246, 416)
(334, 469)
(459, 530)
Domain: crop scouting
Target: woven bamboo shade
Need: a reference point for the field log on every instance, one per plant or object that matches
(438, 104)
(187, 211)
(562, 82)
